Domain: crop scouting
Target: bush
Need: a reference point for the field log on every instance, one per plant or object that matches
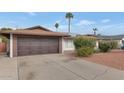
(96, 50)
(4, 39)
(84, 45)
(104, 46)
(85, 51)
(114, 44)
(84, 42)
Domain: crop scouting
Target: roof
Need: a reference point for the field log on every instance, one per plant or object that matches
(90, 36)
(114, 37)
(34, 31)
(37, 27)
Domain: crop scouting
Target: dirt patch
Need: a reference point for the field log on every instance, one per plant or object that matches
(114, 59)
(30, 76)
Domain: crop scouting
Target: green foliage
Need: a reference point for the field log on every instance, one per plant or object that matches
(104, 46)
(84, 45)
(96, 50)
(69, 15)
(84, 42)
(56, 25)
(85, 51)
(4, 39)
(94, 30)
(4, 28)
(114, 44)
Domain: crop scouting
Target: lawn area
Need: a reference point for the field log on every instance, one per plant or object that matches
(115, 59)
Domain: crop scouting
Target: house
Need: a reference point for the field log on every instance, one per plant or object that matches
(34, 40)
(118, 38)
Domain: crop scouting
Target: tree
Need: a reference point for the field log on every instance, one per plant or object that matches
(94, 31)
(4, 28)
(69, 16)
(56, 26)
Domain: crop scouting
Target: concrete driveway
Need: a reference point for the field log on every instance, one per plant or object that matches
(55, 67)
(8, 68)
(63, 67)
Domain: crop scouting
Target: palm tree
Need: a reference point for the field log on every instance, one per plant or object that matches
(69, 16)
(56, 26)
(94, 31)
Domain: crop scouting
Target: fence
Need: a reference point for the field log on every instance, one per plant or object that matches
(2, 47)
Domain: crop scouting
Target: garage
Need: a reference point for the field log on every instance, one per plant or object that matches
(37, 45)
(33, 40)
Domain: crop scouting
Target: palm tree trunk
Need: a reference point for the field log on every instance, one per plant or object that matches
(69, 25)
(94, 33)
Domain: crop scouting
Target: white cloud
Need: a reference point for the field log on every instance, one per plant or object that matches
(32, 13)
(58, 21)
(111, 29)
(105, 20)
(86, 22)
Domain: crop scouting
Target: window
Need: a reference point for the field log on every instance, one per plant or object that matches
(69, 44)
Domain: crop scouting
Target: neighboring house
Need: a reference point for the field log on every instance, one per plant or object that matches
(118, 38)
(34, 40)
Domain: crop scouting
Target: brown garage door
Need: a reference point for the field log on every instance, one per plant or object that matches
(33, 45)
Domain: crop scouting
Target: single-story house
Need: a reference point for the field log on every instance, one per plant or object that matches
(36, 40)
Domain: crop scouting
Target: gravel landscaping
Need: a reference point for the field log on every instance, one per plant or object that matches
(114, 59)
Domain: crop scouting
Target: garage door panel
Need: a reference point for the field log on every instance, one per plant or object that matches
(52, 50)
(29, 45)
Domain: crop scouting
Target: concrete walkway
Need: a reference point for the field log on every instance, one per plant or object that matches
(55, 67)
(8, 68)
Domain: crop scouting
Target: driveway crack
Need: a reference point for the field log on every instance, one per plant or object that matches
(95, 77)
(71, 71)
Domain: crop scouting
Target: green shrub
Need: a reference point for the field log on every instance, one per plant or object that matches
(4, 39)
(85, 51)
(96, 50)
(104, 46)
(114, 44)
(84, 42)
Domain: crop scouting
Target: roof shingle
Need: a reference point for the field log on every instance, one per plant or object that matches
(39, 32)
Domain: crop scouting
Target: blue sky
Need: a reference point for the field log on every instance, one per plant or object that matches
(83, 22)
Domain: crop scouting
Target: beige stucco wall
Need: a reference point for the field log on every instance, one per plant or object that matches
(67, 44)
